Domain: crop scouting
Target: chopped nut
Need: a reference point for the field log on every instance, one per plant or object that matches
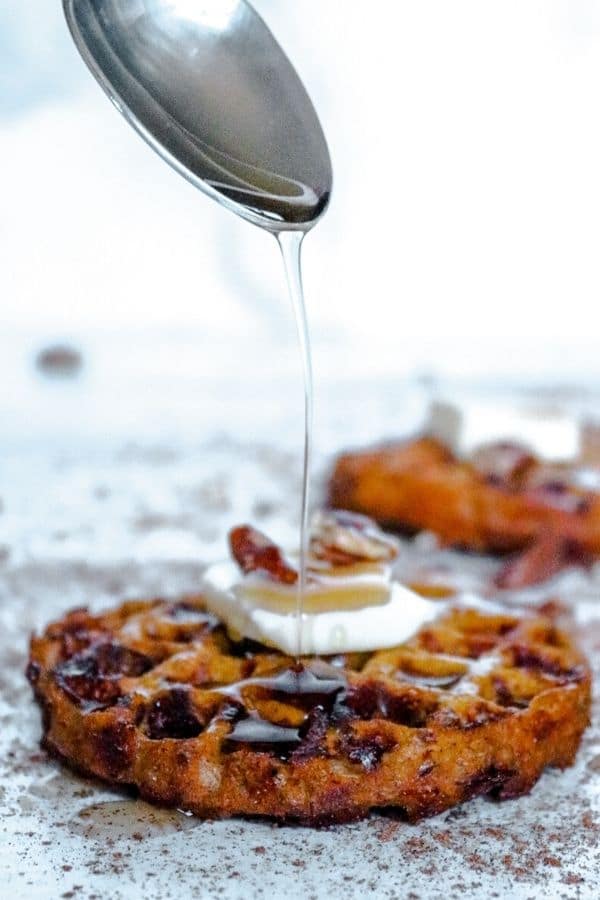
(255, 552)
(342, 538)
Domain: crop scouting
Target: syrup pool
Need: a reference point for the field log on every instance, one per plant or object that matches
(318, 686)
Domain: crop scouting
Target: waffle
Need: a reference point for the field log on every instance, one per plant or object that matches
(155, 696)
(502, 499)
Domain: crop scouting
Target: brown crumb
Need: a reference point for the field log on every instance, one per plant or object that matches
(59, 360)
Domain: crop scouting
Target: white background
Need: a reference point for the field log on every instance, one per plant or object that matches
(463, 233)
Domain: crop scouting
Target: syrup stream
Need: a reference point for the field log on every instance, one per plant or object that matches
(290, 243)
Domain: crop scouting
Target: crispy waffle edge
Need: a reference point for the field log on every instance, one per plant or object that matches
(472, 705)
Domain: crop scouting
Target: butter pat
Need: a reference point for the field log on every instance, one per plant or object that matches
(347, 587)
(376, 617)
(549, 433)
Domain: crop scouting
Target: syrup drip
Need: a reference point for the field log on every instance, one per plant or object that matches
(321, 690)
(306, 687)
(312, 689)
(290, 243)
(259, 734)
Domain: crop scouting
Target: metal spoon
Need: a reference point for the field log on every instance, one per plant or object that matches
(206, 84)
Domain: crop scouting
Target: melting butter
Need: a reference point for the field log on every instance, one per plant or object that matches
(359, 610)
(342, 588)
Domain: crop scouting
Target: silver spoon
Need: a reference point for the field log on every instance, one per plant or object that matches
(206, 84)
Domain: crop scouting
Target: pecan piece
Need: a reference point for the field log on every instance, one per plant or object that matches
(342, 538)
(255, 552)
(547, 556)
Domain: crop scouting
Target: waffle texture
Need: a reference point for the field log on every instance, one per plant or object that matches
(502, 499)
(155, 696)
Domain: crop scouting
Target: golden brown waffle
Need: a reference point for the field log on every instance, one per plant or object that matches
(154, 695)
(502, 499)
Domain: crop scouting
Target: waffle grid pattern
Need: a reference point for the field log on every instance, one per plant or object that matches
(155, 695)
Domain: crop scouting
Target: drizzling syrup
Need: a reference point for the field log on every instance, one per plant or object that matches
(315, 689)
(261, 735)
(290, 243)
(305, 686)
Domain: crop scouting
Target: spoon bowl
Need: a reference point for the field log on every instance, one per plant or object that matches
(206, 84)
